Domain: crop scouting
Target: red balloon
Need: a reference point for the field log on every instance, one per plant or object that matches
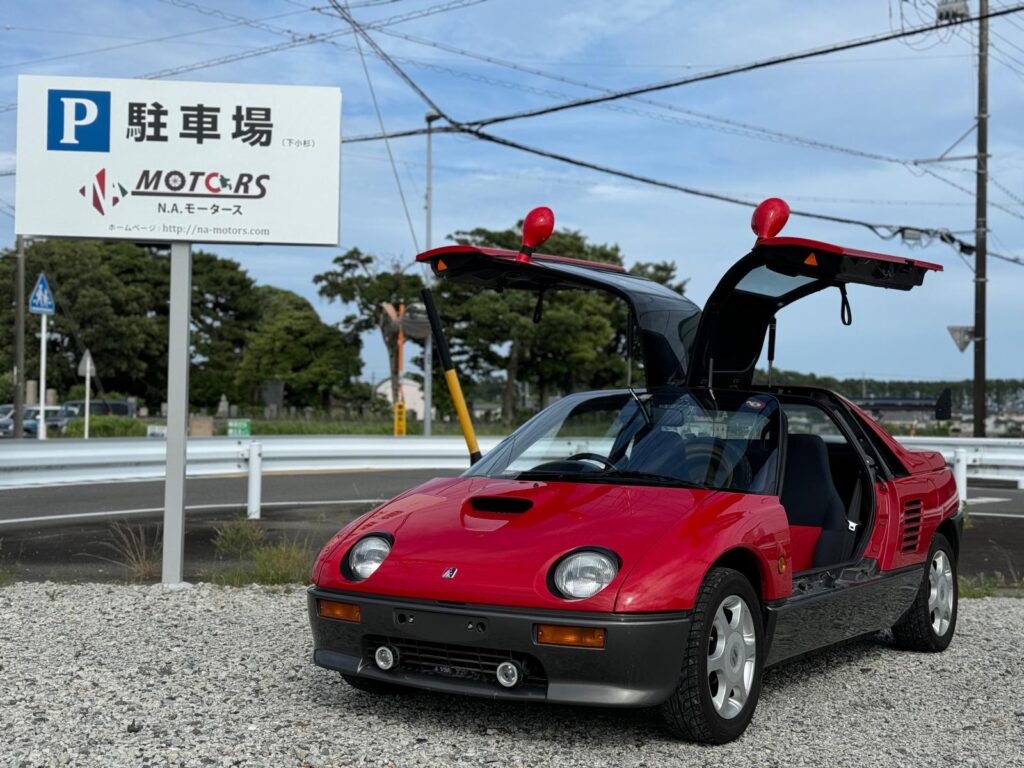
(770, 217)
(537, 227)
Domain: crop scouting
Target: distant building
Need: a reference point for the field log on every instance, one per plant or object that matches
(910, 411)
(412, 393)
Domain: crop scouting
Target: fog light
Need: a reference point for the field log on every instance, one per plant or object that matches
(385, 658)
(509, 674)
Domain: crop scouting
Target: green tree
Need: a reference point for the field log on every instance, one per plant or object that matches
(111, 299)
(369, 283)
(291, 343)
(225, 308)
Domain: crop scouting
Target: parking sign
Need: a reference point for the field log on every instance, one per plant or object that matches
(149, 160)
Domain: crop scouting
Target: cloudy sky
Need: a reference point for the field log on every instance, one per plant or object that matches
(904, 100)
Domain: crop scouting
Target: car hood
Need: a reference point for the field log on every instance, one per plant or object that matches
(503, 537)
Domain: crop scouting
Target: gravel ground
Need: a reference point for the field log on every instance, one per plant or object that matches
(142, 675)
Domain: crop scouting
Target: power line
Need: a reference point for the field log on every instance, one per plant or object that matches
(137, 43)
(380, 122)
(361, 32)
(738, 69)
(294, 43)
(884, 231)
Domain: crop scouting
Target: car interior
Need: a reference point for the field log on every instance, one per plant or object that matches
(824, 489)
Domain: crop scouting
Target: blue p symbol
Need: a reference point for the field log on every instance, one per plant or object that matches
(78, 121)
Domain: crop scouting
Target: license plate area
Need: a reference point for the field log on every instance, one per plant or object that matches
(440, 627)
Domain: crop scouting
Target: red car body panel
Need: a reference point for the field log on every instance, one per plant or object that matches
(667, 538)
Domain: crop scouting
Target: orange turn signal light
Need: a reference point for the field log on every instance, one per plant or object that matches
(441, 266)
(330, 609)
(581, 637)
(811, 261)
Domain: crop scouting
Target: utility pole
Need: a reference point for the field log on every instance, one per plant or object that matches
(981, 226)
(428, 344)
(19, 340)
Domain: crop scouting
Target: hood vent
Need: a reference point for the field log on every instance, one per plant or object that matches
(501, 505)
(911, 530)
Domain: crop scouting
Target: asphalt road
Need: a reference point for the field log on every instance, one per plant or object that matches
(44, 524)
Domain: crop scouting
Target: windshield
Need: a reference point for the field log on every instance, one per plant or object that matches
(724, 440)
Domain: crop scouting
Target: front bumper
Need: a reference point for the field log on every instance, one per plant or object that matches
(454, 648)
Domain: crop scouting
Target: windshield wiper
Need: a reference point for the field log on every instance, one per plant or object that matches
(633, 474)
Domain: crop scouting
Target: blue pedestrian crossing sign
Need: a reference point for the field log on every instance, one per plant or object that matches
(41, 302)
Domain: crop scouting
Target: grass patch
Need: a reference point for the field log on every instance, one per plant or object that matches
(8, 568)
(997, 584)
(239, 538)
(135, 549)
(286, 562)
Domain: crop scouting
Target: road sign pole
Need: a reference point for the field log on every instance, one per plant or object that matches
(177, 413)
(88, 392)
(41, 419)
(19, 343)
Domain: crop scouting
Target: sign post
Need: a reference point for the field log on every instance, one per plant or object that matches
(177, 413)
(42, 304)
(178, 162)
(88, 369)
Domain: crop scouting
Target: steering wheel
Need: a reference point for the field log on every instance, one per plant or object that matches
(722, 457)
(603, 460)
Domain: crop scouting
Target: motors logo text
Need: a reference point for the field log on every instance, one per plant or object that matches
(161, 183)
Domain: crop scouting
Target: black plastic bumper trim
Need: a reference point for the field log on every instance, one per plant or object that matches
(638, 667)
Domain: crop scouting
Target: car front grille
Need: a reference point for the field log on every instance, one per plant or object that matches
(455, 661)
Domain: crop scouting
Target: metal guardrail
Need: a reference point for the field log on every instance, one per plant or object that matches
(986, 458)
(27, 463)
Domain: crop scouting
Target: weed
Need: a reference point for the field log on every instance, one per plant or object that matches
(7, 568)
(239, 538)
(286, 562)
(996, 584)
(133, 550)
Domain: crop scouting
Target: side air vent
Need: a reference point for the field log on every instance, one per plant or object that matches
(502, 505)
(910, 533)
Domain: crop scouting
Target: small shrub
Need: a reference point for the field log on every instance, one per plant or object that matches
(286, 562)
(106, 426)
(134, 550)
(239, 538)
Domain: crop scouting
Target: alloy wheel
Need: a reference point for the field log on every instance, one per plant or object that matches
(732, 656)
(940, 595)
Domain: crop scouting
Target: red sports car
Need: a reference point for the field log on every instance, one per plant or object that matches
(655, 547)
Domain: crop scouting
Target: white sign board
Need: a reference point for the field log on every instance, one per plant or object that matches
(169, 160)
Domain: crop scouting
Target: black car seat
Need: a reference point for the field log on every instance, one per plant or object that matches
(810, 498)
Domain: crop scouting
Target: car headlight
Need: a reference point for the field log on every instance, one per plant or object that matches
(366, 556)
(584, 574)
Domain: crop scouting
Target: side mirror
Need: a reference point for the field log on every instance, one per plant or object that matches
(944, 405)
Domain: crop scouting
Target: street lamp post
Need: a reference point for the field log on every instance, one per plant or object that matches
(428, 344)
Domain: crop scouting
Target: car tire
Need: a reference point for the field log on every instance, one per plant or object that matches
(703, 707)
(931, 621)
(377, 687)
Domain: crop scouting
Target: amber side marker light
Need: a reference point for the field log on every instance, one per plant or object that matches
(580, 637)
(344, 611)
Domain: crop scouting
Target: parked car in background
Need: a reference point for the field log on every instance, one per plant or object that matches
(75, 409)
(29, 414)
(31, 419)
(6, 410)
